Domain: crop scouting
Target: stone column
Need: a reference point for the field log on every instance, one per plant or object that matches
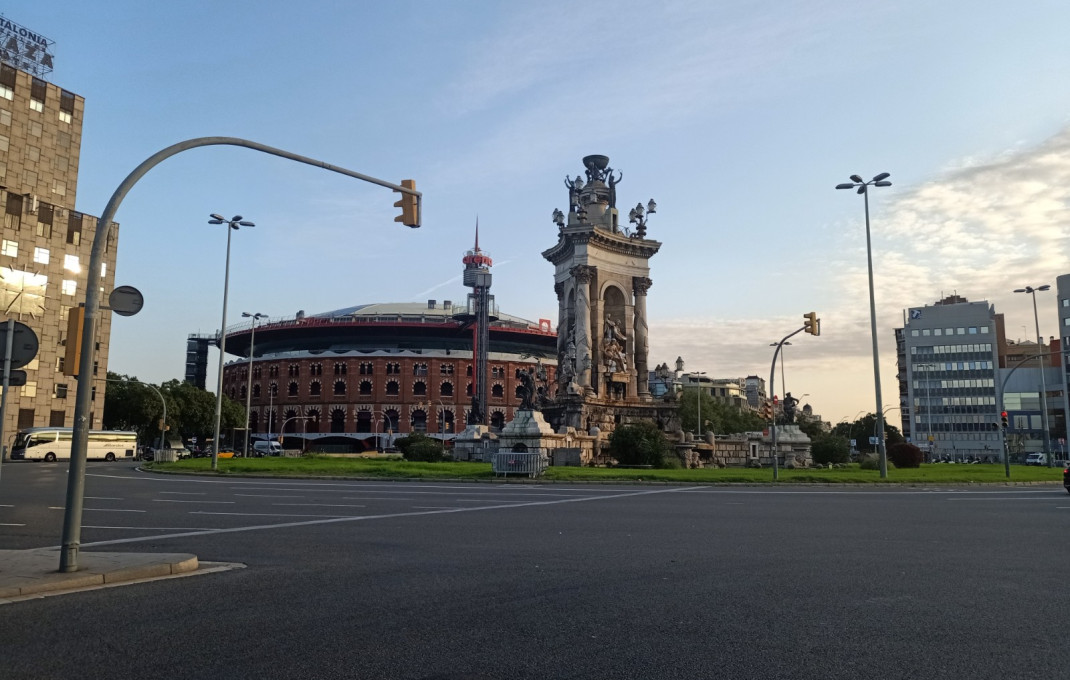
(562, 323)
(583, 275)
(640, 285)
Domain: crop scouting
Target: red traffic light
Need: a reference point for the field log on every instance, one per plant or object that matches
(1003, 414)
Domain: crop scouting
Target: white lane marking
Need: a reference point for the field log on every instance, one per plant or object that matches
(361, 518)
(998, 498)
(11, 525)
(176, 500)
(414, 491)
(373, 498)
(6, 506)
(258, 514)
(431, 507)
(318, 505)
(484, 500)
(101, 509)
(876, 492)
(102, 498)
(92, 526)
(185, 493)
(263, 495)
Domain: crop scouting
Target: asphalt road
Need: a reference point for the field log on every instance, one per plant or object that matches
(458, 580)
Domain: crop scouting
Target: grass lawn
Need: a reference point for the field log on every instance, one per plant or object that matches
(399, 469)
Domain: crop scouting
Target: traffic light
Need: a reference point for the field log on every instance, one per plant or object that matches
(409, 204)
(766, 410)
(1003, 419)
(812, 324)
(73, 356)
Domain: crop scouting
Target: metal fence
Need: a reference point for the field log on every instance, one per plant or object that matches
(532, 462)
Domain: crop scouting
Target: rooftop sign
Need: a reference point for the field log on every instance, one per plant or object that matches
(25, 49)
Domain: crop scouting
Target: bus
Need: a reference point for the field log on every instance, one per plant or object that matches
(54, 443)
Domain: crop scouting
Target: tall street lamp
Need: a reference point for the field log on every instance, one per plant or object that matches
(232, 225)
(698, 400)
(880, 180)
(1043, 365)
(783, 382)
(249, 386)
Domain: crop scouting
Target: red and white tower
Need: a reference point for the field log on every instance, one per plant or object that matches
(480, 312)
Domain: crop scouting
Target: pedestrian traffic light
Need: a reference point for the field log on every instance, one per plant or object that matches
(1003, 417)
(409, 204)
(812, 324)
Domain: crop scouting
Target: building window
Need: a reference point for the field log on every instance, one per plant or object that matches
(366, 368)
(257, 372)
(315, 369)
(292, 388)
(44, 220)
(274, 390)
(392, 388)
(10, 248)
(445, 369)
(339, 369)
(69, 287)
(74, 228)
(393, 369)
(468, 390)
(60, 391)
(365, 388)
(66, 106)
(419, 388)
(273, 371)
(497, 391)
(419, 369)
(70, 263)
(256, 391)
(446, 389)
(338, 420)
(13, 211)
(314, 388)
(294, 370)
(340, 387)
(468, 371)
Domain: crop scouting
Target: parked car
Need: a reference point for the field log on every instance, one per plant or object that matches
(1036, 459)
(1066, 479)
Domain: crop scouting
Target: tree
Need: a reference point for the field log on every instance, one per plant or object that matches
(639, 443)
(830, 449)
(130, 404)
(420, 447)
(717, 416)
(904, 455)
(864, 428)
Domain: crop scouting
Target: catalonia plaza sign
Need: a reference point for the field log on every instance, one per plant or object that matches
(25, 49)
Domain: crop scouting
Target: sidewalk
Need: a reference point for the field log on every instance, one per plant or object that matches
(35, 572)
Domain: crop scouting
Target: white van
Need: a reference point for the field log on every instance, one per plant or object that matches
(271, 448)
(1036, 459)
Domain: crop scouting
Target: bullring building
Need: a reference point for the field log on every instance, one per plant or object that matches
(350, 379)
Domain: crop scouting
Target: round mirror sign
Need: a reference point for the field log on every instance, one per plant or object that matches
(126, 301)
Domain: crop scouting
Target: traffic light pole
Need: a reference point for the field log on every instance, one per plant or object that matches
(772, 391)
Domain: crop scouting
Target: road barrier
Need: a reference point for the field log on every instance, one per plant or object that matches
(531, 463)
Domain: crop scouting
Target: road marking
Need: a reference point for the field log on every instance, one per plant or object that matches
(263, 495)
(431, 507)
(319, 505)
(176, 500)
(102, 498)
(7, 506)
(996, 499)
(98, 509)
(11, 525)
(258, 514)
(93, 526)
(185, 493)
(361, 518)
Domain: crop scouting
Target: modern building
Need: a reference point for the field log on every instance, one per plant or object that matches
(948, 360)
(46, 241)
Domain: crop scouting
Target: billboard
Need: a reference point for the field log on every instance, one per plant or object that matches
(24, 49)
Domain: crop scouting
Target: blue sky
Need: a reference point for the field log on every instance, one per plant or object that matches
(738, 118)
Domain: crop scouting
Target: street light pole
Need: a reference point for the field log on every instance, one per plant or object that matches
(698, 401)
(249, 385)
(232, 225)
(1043, 384)
(863, 188)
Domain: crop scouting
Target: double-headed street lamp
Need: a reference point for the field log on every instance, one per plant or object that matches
(1043, 365)
(863, 188)
(232, 225)
(249, 386)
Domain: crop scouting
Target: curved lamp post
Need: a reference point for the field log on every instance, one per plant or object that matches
(249, 385)
(857, 182)
(72, 516)
(232, 225)
(1043, 365)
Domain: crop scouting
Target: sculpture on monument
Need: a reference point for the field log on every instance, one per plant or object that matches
(790, 403)
(528, 391)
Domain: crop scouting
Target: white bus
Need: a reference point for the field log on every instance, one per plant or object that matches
(54, 443)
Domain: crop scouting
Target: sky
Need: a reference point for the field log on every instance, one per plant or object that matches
(738, 117)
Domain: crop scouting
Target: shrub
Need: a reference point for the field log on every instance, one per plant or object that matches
(870, 461)
(904, 455)
(639, 444)
(830, 449)
(420, 448)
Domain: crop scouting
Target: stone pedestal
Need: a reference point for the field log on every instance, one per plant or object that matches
(475, 443)
(793, 446)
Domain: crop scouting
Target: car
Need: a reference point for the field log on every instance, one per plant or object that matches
(1036, 459)
(1066, 479)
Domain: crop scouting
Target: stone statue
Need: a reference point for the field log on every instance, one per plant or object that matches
(528, 391)
(790, 403)
(613, 331)
(614, 356)
(574, 188)
(612, 181)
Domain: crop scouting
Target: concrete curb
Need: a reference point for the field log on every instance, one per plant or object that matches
(34, 572)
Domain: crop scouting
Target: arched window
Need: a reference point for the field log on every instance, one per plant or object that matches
(294, 370)
(289, 419)
(446, 389)
(497, 420)
(244, 391)
(447, 420)
(365, 387)
(497, 391)
(292, 388)
(340, 387)
(339, 369)
(419, 388)
(315, 369)
(256, 391)
(338, 420)
(364, 421)
(254, 422)
(392, 388)
(392, 420)
(468, 371)
(418, 421)
(468, 390)
(312, 424)
(274, 389)
(519, 391)
(315, 388)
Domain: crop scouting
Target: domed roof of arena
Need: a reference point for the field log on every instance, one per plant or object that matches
(432, 310)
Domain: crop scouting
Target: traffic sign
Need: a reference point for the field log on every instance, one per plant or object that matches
(126, 301)
(24, 344)
(16, 379)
